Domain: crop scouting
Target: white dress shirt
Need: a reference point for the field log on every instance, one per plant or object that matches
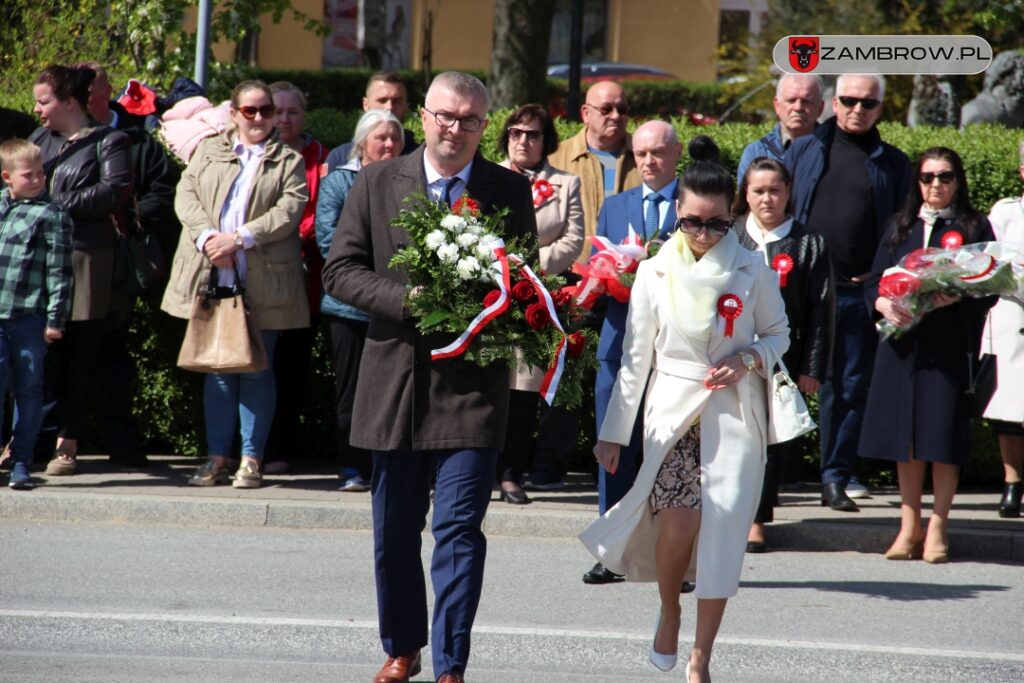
(762, 238)
(436, 181)
(668, 195)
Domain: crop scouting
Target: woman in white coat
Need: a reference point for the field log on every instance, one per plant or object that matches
(1004, 337)
(706, 325)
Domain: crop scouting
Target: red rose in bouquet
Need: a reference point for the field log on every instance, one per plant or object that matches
(466, 203)
(491, 297)
(898, 285)
(524, 292)
(576, 344)
(537, 316)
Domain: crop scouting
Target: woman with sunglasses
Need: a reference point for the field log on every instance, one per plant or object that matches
(240, 201)
(801, 259)
(706, 324)
(528, 137)
(916, 411)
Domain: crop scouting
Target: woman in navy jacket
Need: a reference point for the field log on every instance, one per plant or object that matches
(917, 410)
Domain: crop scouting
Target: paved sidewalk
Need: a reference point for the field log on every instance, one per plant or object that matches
(102, 492)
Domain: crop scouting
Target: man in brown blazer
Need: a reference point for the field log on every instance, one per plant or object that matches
(419, 417)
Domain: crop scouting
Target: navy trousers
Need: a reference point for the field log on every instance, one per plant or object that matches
(400, 498)
(612, 487)
(844, 394)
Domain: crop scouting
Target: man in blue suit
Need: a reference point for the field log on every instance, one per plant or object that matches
(650, 211)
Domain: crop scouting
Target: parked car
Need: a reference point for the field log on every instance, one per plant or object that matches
(591, 72)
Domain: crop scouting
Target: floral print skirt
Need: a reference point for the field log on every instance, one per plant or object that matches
(678, 482)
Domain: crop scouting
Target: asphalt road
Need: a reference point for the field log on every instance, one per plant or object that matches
(120, 603)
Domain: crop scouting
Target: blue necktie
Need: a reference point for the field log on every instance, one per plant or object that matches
(446, 195)
(652, 220)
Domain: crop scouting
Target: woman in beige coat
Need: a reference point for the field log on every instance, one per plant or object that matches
(529, 137)
(239, 202)
(706, 325)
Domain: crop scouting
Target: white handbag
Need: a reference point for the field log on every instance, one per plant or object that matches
(788, 417)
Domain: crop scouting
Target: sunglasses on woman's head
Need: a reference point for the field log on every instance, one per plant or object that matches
(714, 226)
(946, 177)
(851, 102)
(249, 111)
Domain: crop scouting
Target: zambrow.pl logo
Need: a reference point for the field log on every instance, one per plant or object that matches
(803, 53)
(883, 54)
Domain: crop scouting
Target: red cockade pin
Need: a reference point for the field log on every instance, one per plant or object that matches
(952, 240)
(729, 307)
(542, 191)
(783, 263)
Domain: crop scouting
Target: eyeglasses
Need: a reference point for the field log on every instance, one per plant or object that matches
(531, 135)
(249, 111)
(714, 226)
(470, 124)
(945, 177)
(606, 110)
(868, 103)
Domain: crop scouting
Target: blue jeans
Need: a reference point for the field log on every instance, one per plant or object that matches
(22, 351)
(844, 393)
(246, 396)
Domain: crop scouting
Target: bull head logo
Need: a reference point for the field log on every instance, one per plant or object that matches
(803, 53)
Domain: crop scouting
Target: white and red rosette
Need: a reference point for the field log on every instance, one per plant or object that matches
(542, 191)
(783, 264)
(951, 239)
(730, 307)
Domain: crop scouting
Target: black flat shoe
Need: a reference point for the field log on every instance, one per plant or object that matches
(833, 496)
(688, 587)
(515, 497)
(755, 546)
(1009, 506)
(600, 574)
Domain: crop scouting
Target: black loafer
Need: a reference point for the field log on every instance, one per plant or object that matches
(688, 587)
(515, 497)
(601, 574)
(755, 546)
(833, 496)
(1009, 506)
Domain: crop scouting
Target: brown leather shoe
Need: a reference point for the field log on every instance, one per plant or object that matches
(399, 669)
(451, 677)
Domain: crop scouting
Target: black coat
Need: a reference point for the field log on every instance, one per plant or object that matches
(90, 177)
(809, 295)
(404, 400)
(916, 400)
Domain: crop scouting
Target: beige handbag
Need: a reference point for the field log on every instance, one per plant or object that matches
(222, 334)
(788, 417)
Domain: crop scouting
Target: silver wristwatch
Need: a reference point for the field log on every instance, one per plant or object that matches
(748, 360)
(239, 242)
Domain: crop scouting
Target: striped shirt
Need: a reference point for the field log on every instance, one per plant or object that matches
(35, 259)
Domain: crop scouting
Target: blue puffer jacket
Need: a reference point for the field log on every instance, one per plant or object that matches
(333, 192)
(888, 168)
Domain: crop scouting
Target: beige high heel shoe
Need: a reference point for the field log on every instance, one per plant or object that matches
(938, 554)
(904, 552)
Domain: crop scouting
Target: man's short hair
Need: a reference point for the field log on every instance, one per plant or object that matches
(392, 77)
(877, 78)
(285, 86)
(18, 150)
(814, 78)
(461, 84)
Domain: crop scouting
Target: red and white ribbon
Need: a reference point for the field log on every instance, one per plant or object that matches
(951, 239)
(782, 264)
(730, 307)
(542, 191)
(459, 346)
(549, 385)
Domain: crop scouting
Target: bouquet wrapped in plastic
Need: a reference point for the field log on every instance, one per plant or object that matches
(975, 270)
(612, 268)
(467, 281)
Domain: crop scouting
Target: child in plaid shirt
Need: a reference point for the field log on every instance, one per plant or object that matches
(35, 288)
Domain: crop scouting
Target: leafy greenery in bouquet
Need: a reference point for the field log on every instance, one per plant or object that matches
(975, 270)
(455, 260)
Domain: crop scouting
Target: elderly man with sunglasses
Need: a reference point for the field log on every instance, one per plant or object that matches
(847, 182)
(600, 154)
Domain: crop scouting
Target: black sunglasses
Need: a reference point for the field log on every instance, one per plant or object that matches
(714, 226)
(249, 111)
(866, 102)
(607, 109)
(946, 177)
(531, 135)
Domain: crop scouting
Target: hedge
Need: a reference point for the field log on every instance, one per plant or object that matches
(169, 401)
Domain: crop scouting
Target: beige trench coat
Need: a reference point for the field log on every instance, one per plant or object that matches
(733, 422)
(1004, 329)
(275, 280)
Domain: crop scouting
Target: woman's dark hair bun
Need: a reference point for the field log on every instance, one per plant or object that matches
(703, 148)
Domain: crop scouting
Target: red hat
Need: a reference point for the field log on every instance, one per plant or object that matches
(138, 98)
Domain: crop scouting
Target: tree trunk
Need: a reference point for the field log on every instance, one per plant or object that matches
(522, 32)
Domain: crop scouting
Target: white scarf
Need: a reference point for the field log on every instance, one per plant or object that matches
(928, 216)
(694, 286)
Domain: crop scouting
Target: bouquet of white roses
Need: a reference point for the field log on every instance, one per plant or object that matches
(467, 281)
